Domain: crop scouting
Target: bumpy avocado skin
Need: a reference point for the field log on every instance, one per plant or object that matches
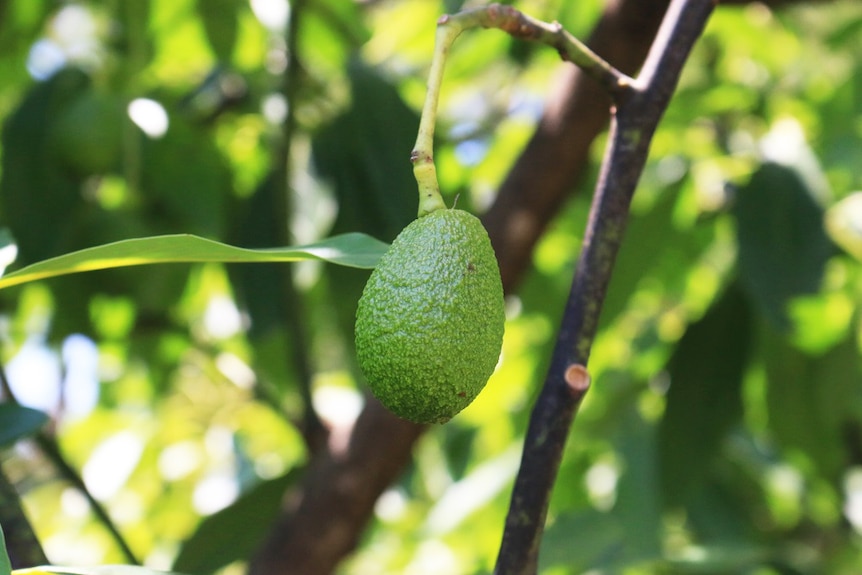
(429, 325)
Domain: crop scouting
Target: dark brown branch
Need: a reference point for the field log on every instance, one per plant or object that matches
(324, 520)
(637, 115)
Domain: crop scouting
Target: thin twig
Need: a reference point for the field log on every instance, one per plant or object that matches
(633, 123)
(51, 449)
(22, 545)
(570, 49)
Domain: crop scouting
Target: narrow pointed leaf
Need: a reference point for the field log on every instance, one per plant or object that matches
(93, 570)
(234, 532)
(351, 250)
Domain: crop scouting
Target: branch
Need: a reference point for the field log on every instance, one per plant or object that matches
(637, 115)
(323, 521)
(51, 450)
(22, 544)
(558, 155)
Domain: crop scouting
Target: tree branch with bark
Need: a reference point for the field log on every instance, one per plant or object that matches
(636, 111)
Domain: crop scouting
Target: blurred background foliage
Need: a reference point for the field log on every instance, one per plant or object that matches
(723, 433)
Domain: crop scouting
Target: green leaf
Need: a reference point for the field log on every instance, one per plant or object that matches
(39, 199)
(704, 400)
(95, 570)
(236, 531)
(17, 421)
(5, 564)
(783, 247)
(188, 177)
(220, 22)
(351, 250)
(812, 399)
(330, 31)
(260, 288)
(365, 152)
(599, 536)
(653, 243)
(733, 558)
(637, 505)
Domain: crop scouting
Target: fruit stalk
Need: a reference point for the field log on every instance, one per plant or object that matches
(517, 25)
(423, 152)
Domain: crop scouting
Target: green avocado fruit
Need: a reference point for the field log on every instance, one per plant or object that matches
(88, 134)
(429, 325)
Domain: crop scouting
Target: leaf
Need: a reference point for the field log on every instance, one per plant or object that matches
(134, 41)
(580, 540)
(365, 152)
(732, 558)
(219, 18)
(38, 198)
(17, 421)
(95, 570)
(652, 243)
(188, 177)
(5, 564)
(330, 32)
(704, 400)
(236, 531)
(810, 399)
(783, 247)
(351, 250)
(261, 289)
(637, 505)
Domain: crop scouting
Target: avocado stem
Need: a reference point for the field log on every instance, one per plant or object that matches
(423, 152)
(517, 25)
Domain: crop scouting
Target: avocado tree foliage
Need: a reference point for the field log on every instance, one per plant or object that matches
(199, 416)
